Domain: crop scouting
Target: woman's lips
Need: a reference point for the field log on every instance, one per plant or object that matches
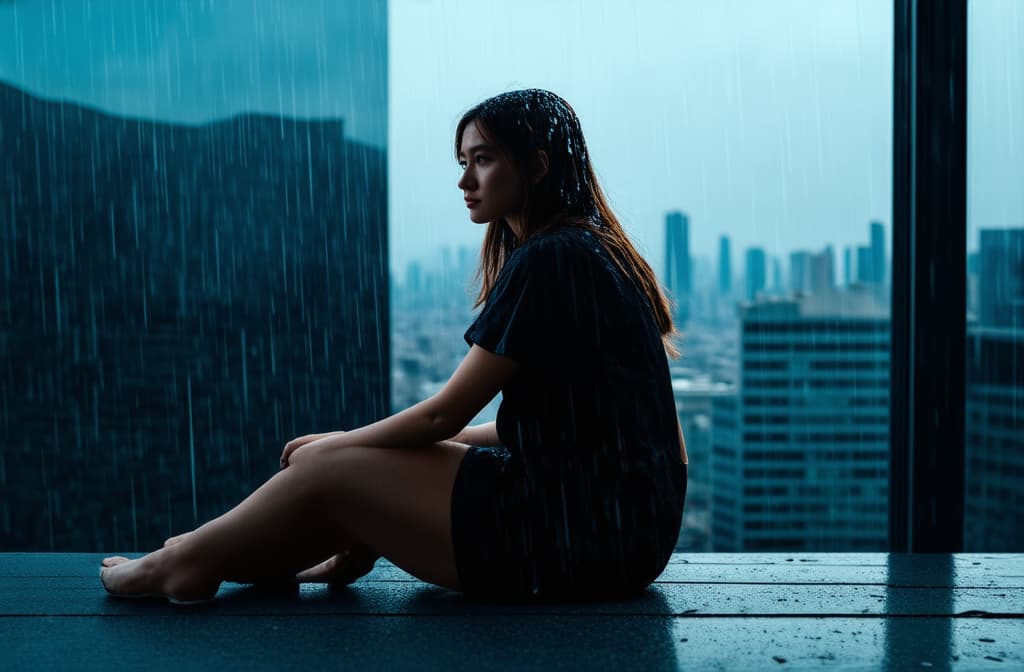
(472, 204)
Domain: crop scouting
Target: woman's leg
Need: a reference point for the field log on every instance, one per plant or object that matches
(396, 501)
(353, 560)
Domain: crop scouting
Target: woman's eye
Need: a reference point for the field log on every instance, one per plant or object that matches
(462, 164)
(482, 158)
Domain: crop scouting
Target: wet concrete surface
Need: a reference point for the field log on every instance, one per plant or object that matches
(706, 611)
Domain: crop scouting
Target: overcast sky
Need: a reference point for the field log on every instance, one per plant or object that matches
(770, 122)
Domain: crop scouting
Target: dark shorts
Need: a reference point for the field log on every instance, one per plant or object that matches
(566, 540)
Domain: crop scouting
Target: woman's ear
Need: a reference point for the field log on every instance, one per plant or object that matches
(540, 167)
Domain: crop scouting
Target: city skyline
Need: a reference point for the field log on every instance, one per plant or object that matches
(775, 130)
(847, 268)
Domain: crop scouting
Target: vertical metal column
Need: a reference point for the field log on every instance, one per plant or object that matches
(929, 289)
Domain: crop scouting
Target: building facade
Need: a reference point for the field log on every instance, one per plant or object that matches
(800, 455)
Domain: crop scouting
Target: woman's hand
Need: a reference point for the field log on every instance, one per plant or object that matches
(295, 444)
(478, 435)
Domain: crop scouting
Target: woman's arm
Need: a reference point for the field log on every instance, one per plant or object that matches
(479, 435)
(412, 428)
(478, 378)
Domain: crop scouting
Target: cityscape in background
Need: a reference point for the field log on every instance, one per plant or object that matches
(782, 388)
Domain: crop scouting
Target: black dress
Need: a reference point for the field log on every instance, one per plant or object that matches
(584, 498)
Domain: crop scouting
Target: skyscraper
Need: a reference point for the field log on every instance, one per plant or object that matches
(877, 253)
(800, 455)
(724, 267)
(994, 416)
(865, 267)
(994, 440)
(1001, 278)
(694, 398)
(755, 272)
(799, 271)
(678, 275)
(821, 274)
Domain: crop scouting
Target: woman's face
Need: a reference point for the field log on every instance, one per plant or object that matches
(489, 183)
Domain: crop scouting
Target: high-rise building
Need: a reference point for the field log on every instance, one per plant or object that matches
(847, 263)
(821, 274)
(973, 262)
(800, 455)
(812, 272)
(865, 268)
(755, 272)
(878, 265)
(678, 274)
(724, 267)
(693, 396)
(799, 271)
(994, 440)
(1001, 278)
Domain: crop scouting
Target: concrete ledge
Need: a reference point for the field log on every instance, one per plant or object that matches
(726, 611)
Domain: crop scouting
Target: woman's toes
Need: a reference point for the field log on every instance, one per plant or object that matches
(114, 560)
(151, 574)
(131, 578)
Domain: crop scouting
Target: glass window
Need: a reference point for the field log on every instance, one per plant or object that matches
(193, 256)
(748, 154)
(994, 422)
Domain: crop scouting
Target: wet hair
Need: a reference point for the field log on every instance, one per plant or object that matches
(521, 123)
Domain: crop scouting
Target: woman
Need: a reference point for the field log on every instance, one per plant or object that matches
(575, 492)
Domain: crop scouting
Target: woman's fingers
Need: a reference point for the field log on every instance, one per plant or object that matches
(290, 447)
(295, 444)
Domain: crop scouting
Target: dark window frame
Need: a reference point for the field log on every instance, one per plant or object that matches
(929, 272)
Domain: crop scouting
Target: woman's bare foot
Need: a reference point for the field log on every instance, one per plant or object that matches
(343, 568)
(174, 540)
(148, 575)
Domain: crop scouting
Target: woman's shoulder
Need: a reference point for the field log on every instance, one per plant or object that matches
(562, 236)
(562, 249)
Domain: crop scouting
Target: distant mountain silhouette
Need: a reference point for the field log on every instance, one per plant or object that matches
(176, 290)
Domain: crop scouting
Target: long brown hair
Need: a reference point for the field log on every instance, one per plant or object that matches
(520, 123)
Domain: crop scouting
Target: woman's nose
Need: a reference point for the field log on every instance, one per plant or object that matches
(464, 181)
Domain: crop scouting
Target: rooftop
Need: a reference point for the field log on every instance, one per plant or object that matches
(857, 301)
(706, 611)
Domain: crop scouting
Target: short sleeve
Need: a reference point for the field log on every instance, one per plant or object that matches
(522, 308)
